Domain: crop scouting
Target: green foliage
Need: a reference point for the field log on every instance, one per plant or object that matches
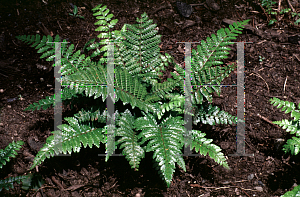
(285, 10)
(269, 8)
(261, 58)
(75, 13)
(268, 4)
(292, 126)
(296, 15)
(70, 140)
(155, 121)
(105, 24)
(10, 151)
(8, 182)
(32, 181)
(294, 193)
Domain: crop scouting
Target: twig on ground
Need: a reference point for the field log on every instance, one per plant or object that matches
(161, 8)
(279, 5)
(3, 75)
(261, 78)
(241, 189)
(291, 6)
(265, 12)
(267, 120)
(57, 183)
(59, 25)
(284, 84)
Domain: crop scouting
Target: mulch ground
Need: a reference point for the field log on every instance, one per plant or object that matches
(271, 70)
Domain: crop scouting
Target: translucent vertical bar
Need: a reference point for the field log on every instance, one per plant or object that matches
(240, 134)
(110, 101)
(57, 76)
(58, 102)
(188, 102)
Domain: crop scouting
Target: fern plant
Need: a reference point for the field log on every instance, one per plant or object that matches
(29, 181)
(292, 126)
(10, 151)
(149, 112)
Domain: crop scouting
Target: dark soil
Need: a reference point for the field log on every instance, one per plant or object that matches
(269, 173)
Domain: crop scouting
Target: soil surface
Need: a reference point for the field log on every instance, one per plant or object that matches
(271, 70)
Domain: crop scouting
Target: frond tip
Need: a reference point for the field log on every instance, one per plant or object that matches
(292, 126)
(8, 182)
(70, 139)
(165, 140)
(204, 147)
(129, 140)
(9, 151)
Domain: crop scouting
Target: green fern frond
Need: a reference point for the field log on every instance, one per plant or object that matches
(8, 182)
(140, 50)
(204, 146)
(209, 54)
(175, 104)
(105, 25)
(70, 61)
(294, 193)
(105, 21)
(9, 151)
(212, 76)
(50, 100)
(165, 140)
(70, 139)
(91, 115)
(292, 145)
(160, 90)
(127, 87)
(129, 140)
(43, 103)
(85, 80)
(207, 76)
(208, 114)
(287, 107)
(292, 126)
(73, 62)
(44, 46)
(110, 141)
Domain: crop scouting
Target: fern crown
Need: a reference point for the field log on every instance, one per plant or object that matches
(154, 122)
